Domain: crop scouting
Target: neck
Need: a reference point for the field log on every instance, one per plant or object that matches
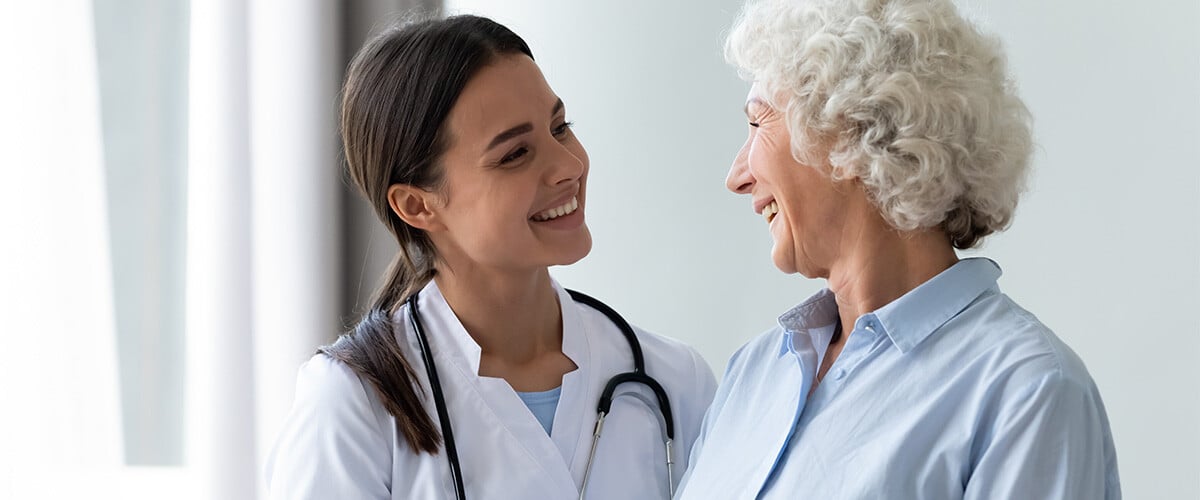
(879, 264)
(513, 316)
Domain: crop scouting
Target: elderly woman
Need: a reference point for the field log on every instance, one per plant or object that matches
(884, 135)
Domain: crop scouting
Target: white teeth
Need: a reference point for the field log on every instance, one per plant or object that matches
(557, 212)
(770, 210)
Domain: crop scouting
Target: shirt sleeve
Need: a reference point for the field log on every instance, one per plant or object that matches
(333, 444)
(1053, 441)
(718, 395)
(703, 388)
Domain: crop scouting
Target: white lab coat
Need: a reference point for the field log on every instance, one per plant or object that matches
(339, 442)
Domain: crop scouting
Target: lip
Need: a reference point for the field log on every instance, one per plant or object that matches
(760, 204)
(558, 202)
(568, 222)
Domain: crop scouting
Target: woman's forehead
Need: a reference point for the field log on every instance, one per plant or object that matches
(506, 93)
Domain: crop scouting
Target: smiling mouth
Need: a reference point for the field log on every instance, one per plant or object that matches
(770, 210)
(556, 212)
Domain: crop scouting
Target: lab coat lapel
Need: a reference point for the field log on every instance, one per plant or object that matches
(486, 412)
(576, 414)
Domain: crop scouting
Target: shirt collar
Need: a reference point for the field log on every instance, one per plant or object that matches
(908, 320)
(913, 317)
(818, 312)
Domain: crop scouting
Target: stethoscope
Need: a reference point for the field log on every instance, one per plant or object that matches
(637, 376)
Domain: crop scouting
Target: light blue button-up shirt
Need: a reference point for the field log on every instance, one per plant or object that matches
(951, 391)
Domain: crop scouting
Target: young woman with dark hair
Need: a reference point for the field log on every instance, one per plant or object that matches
(474, 373)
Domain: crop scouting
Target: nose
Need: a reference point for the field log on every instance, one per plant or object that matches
(739, 179)
(568, 165)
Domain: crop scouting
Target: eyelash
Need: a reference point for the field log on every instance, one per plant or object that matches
(514, 156)
(558, 132)
(562, 129)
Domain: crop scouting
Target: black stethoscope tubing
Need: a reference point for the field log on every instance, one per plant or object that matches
(438, 399)
(638, 376)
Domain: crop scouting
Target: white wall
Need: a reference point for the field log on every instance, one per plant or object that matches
(1105, 248)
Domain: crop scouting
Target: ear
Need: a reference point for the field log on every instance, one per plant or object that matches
(415, 206)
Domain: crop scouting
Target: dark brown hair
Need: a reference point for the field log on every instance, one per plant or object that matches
(398, 92)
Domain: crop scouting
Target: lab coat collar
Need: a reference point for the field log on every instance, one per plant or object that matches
(577, 391)
(437, 316)
(452, 344)
(451, 339)
(574, 341)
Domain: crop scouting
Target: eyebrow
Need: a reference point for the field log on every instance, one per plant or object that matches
(521, 129)
(754, 100)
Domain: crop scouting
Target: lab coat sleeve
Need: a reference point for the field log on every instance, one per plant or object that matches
(334, 443)
(1052, 441)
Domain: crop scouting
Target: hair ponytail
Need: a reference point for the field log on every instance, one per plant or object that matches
(371, 350)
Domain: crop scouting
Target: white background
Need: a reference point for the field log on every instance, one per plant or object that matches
(1105, 248)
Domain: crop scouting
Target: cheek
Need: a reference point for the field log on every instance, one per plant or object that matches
(764, 160)
(779, 147)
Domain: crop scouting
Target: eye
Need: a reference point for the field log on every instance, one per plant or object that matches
(514, 156)
(754, 124)
(561, 130)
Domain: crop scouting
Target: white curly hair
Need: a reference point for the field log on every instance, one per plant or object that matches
(905, 95)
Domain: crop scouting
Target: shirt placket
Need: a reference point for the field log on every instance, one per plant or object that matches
(859, 345)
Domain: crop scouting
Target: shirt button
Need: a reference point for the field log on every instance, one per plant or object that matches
(838, 374)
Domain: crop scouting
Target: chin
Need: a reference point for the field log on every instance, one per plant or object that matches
(782, 261)
(581, 249)
(794, 261)
(790, 266)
